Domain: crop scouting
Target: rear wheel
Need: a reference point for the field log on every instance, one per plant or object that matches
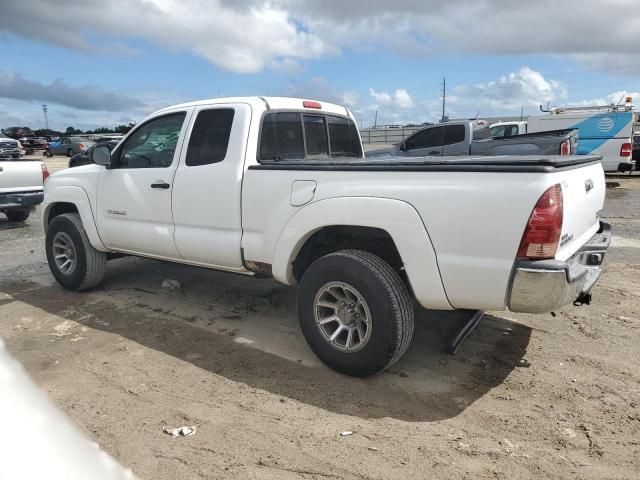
(73, 261)
(355, 312)
(69, 153)
(47, 153)
(17, 215)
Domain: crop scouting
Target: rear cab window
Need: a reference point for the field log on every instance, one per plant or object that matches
(300, 136)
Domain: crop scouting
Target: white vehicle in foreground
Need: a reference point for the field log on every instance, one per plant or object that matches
(279, 186)
(21, 188)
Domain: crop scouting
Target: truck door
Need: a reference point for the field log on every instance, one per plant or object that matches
(134, 196)
(424, 143)
(455, 140)
(208, 184)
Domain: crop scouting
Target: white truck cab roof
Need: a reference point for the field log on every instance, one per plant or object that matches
(267, 103)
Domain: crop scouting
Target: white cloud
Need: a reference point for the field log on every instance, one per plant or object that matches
(402, 98)
(381, 98)
(617, 97)
(243, 40)
(524, 88)
(247, 36)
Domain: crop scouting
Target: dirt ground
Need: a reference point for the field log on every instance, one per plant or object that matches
(526, 396)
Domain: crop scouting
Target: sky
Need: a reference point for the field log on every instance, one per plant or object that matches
(106, 62)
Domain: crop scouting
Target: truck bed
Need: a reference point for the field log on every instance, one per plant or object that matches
(510, 163)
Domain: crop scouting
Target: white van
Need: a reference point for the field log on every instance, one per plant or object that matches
(606, 130)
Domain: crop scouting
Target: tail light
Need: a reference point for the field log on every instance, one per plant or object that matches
(626, 150)
(542, 235)
(81, 145)
(565, 148)
(45, 173)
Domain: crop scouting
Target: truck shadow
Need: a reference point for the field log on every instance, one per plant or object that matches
(425, 385)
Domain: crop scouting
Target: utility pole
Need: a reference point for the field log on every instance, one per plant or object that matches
(375, 121)
(46, 120)
(444, 97)
(521, 113)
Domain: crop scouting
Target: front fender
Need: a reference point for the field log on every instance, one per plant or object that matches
(399, 219)
(78, 197)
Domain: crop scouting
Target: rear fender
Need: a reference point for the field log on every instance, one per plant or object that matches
(399, 219)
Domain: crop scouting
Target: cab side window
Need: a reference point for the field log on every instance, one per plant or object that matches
(210, 137)
(427, 138)
(153, 144)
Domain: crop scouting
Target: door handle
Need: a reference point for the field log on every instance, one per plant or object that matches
(160, 184)
(434, 152)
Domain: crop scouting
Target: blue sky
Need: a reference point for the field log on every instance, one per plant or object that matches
(108, 62)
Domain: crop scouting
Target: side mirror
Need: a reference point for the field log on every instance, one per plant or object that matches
(101, 155)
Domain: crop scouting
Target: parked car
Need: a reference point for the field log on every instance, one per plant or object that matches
(21, 188)
(18, 132)
(84, 158)
(68, 146)
(31, 144)
(10, 148)
(280, 187)
(508, 129)
(472, 138)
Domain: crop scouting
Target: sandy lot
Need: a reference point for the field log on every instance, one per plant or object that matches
(525, 397)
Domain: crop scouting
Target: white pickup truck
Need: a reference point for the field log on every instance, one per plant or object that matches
(21, 188)
(279, 186)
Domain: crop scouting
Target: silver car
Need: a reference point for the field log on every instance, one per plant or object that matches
(68, 146)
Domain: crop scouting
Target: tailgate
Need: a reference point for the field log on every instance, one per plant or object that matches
(20, 176)
(583, 193)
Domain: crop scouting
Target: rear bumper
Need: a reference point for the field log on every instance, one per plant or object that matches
(540, 286)
(22, 200)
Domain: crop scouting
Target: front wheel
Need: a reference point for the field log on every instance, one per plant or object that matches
(73, 261)
(355, 312)
(69, 153)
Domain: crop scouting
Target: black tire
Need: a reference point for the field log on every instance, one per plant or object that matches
(69, 153)
(47, 153)
(386, 297)
(90, 263)
(17, 215)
